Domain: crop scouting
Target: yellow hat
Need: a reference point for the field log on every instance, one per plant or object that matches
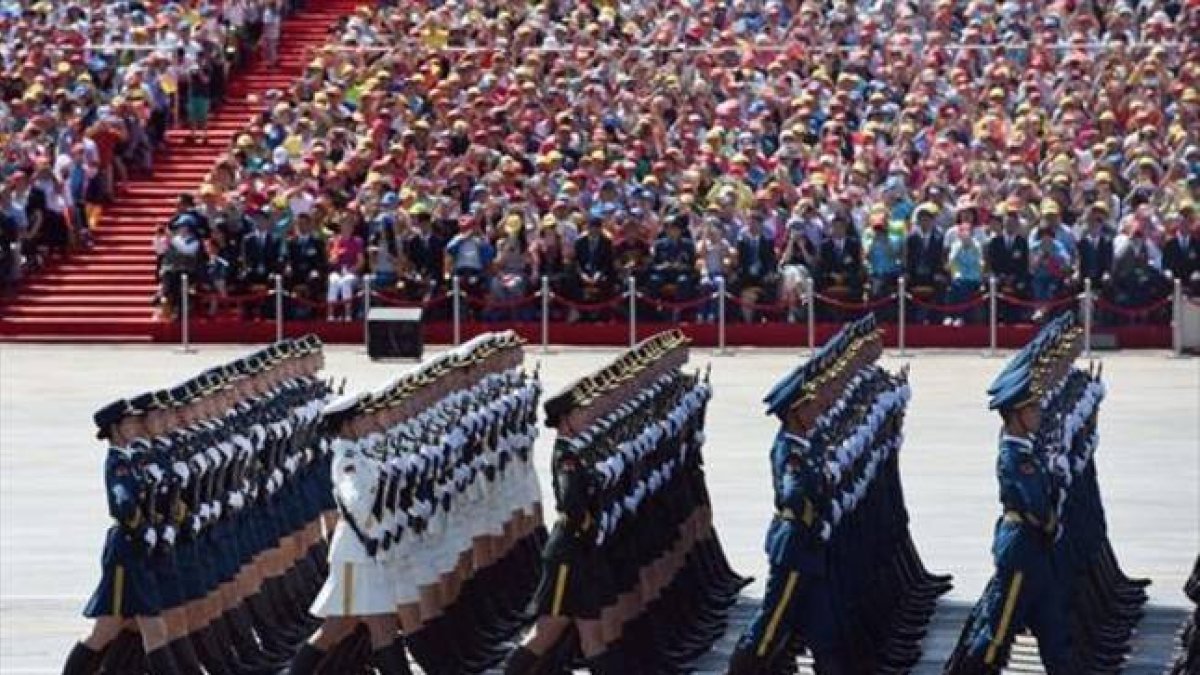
(1050, 208)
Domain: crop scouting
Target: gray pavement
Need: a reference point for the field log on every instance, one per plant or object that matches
(52, 513)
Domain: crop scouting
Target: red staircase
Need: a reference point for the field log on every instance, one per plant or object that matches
(105, 293)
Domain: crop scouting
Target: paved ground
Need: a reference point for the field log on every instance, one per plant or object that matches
(52, 514)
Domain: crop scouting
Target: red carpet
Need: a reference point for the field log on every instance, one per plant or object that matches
(105, 293)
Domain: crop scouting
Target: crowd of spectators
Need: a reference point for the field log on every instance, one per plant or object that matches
(765, 143)
(88, 89)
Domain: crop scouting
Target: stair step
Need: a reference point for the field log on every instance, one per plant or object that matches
(119, 299)
(82, 310)
(100, 278)
(73, 286)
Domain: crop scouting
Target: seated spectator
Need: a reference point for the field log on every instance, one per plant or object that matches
(469, 256)
(925, 260)
(799, 258)
(347, 260)
(306, 266)
(841, 261)
(1181, 252)
(214, 278)
(966, 272)
(882, 257)
(1050, 265)
(1095, 249)
(673, 265)
(1136, 278)
(46, 209)
(548, 254)
(631, 251)
(261, 259)
(717, 260)
(510, 269)
(757, 270)
(1007, 258)
(595, 276)
(182, 252)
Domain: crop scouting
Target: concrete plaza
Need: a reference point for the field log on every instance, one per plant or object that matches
(52, 512)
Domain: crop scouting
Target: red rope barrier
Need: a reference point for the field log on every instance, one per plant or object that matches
(320, 304)
(492, 303)
(1035, 304)
(856, 306)
(237, 300)
(759, 306)
(659, 303)
(397, 301)
(587, 306)
(1107, 306)
(950, 309)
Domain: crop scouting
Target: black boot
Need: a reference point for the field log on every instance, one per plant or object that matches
(305, 661)
(392, 659)
(124, 654)
(520, 662)
(162, 662)
(610, 662)
(81, 661)
(185, 656)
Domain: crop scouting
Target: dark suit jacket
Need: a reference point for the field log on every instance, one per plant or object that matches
(261, 259)
(849, 263)
(1180, 261)
(755, 262)
(595, 257)
(306, 258)
(1095, 257)
(1009, 262)
(922, 262)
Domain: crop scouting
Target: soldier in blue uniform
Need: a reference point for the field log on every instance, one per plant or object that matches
(1027, 590)
(128, 592)
(797, 598)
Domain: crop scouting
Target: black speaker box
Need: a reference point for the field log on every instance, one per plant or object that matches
(394, 332)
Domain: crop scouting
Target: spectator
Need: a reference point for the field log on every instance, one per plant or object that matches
(214, 279)
(716, 258)
(925, 259)
(1007, 259)
(757, 270)
(306, 267)
(1050, 265)
(966, 271)
(47, 212)
(272, 21)
(595, 274)
(1181, 253)
(1095, 249)
(261, 258)
(841, 261)
(199, 101)
(882, 257)
(673, 265)
(548, 254)
(469, 255)
(1136, 279)
(510, 276)
(799, 258)
(346, 262)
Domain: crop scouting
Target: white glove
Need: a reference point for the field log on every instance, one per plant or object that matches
(150, 537)
(181, 470)
(169, 535)
(155, 473)
(205, 511)
(216, 509)
(237, 501)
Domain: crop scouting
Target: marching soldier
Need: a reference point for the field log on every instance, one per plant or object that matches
(128, 590)
(1027, 589)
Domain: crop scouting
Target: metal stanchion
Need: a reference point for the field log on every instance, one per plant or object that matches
(545, 314)
(1087, 317)
(721, 316)
(185, 315)
(456, 304)
(902, 318)
(369, 283)
(992, 315)
(278, 306)
(632, 311)
(1177, 319)
(811, 301)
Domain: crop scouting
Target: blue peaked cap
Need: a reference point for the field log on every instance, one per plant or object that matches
(1013, 385)
(784, 393)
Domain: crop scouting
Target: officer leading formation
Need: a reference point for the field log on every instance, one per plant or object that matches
(633, 577)
(1056, 572)
(217, 490)
(845, 581)
(439, 517)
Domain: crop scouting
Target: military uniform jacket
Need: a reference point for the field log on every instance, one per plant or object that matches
(355, 483)
(1026, 529)
(795, 539)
